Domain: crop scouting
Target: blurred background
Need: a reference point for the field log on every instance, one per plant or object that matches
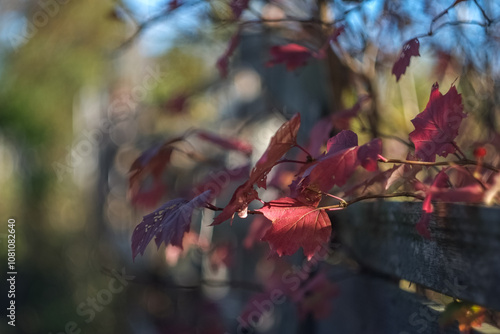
(86, 86)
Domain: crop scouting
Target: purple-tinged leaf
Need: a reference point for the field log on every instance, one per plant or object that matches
(168, 223)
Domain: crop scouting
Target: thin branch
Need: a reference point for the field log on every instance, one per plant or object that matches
(216, 208)
(464, 162)
(303, 150)
(367, 197)
(292, 161)
(459, 151)
(486, 17)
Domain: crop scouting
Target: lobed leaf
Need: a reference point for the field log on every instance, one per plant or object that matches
(295, 225)
(168, 224)
(437, 126)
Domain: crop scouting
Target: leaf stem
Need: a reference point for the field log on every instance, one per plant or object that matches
(304, 150)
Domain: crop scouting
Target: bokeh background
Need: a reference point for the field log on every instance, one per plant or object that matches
(86, 86)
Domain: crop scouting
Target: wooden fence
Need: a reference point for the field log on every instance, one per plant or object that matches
(461, 260)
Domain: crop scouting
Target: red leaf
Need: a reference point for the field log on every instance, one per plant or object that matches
(368, 154)
(331, 170)
(282, 141)
(177, 104)
(228, 143)
(341, 141)
(292, 55)
(440, 191)
(173, 5)
(150, 164)
(437, 126)
(404, 175)
(315, 297)
(381, 179)
(410, 49)
(257, 230)
(223, 61)
(238, 6)
(216, 182)
(242, 197)
(319, 135)
(295, 225)
(148, 198)
(168, 223)
(341, 120)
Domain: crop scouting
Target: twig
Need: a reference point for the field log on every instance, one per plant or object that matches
(463, 162)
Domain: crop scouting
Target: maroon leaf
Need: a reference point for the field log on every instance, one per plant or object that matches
(404, 174)
(242, 197)
(282, 141)
(441, 181)
(295, 225)
(341, 120)
(177, 104)
(148, 197)
(410, 49)
(168, 223)
(341, 141)
(150, 165)
(223, 61)
(216, 182)
(331, 170)
(437, 126)
(315, 297)
(380, 179)
(292, 55)
(368, 154)
(257, 230)
(238, 6)
(228, 143)
(319, 135)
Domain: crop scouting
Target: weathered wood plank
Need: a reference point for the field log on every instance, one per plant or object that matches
(461, 260)
(375, 306)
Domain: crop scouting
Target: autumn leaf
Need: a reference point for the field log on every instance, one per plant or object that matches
(218, 181)
(226, 142)
(320, 133)
(315, 297)
(223, 61)
(168, 224)
(237, 7)
(239, 202)
(292, 55)
(440, 181)
(437, 126)
(295, 225)
(282, 141)
(341, 119)
(150, 165)
(177, 104)
(330, 170)
(368, 154)
(440, 190)
(343, 140)
(467, 314)
(258, 228)
(410, 49)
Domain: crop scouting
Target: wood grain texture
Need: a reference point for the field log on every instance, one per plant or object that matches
(376, 306)
(461, 260)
